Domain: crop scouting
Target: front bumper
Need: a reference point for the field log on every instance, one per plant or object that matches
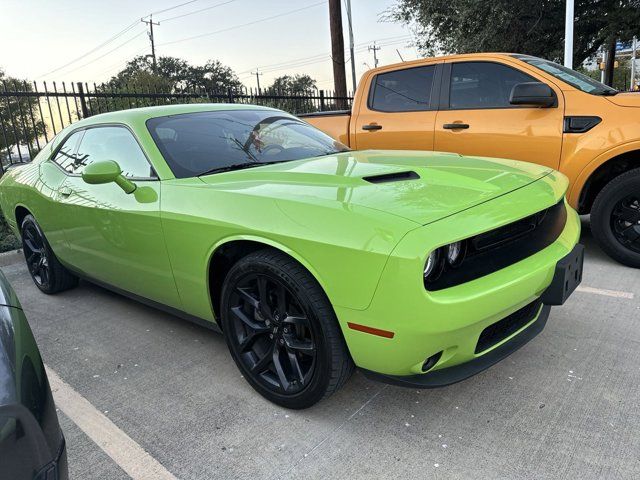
(567, 277)
(450, 322)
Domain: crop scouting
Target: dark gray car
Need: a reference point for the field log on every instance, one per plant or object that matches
(31, 443)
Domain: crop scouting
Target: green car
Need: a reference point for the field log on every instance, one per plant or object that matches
(419, 268)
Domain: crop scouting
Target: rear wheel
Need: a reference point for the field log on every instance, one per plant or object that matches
(615, 218)
(282, 332)
(45, 269)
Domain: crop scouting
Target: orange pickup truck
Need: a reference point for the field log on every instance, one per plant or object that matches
(511, 106)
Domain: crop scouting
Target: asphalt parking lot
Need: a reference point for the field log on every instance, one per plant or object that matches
(565, 406)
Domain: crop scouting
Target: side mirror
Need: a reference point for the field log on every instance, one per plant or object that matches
(532, 93)
(107, 171)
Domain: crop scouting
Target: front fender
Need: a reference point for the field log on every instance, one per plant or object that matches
(579, 183)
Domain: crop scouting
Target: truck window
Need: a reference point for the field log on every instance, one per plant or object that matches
(402, 90)
(477, 85)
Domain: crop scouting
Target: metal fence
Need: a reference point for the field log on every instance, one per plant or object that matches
(31, 114)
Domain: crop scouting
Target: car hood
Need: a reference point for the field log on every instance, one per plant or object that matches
(418, 186)
(628, 99)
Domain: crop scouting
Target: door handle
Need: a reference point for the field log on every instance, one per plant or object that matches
(65, 191)
(372, 126)
(455, 126)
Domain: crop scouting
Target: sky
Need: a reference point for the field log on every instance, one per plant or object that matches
(72, 40)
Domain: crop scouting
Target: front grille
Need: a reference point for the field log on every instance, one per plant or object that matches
(506, 327)
(496, 249)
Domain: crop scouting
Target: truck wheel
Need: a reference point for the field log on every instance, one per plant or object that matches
(615, 218)
(282, 331)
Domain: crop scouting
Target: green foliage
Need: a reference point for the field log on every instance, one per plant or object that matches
(26, 125)
(8, 240)
(172, 75)
(534, 27)
(292, 86)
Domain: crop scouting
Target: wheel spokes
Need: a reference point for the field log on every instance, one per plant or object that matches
(272, 336)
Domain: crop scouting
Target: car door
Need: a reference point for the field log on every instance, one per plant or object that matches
(400, 110)
(476, 118)
(114, 237)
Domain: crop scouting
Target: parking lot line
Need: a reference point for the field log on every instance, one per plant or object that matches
(606, 293)
(129, 456)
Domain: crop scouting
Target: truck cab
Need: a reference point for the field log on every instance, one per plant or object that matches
(511, 106)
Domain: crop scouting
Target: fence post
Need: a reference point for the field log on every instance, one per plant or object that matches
(83, 102)
(230, 94)
(322, 100)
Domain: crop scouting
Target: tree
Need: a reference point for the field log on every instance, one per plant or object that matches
(293, 85)
(174, 74)
(296, 86)
(534, 27)
(20, 122)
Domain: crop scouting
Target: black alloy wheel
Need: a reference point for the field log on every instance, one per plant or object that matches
(272, 332)
(49, 275)
(625, 222)
(615, 218)
(281, 330)
(35, 253)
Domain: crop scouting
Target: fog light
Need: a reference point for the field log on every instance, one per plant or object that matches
(430, 362)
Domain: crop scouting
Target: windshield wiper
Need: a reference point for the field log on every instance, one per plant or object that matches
(608, 93)
(237, 166)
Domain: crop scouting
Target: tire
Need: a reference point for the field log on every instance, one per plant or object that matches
(615, 218)
(282, 331)
(46, 271)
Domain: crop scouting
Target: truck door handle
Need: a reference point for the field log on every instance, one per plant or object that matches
(455, 126)
(65, 191)
(372, 126)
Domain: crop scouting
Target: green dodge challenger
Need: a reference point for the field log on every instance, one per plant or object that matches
(419, 268)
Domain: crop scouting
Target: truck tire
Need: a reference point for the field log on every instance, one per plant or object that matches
(615, 218)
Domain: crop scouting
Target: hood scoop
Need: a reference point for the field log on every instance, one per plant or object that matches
(392, 177)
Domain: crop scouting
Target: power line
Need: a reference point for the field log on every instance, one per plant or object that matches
(104, 54)
(174, 7)
(196, 11)
(244, 24)
(106, 42)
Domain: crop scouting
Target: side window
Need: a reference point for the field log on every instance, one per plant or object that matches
(403, 90)
(476, 85)
(66, 157)
(113, 143)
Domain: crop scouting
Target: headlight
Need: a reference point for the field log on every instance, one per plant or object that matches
(442, 259)
(455, 253)
(430, 264)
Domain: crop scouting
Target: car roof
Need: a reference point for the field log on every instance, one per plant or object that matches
(141, 115)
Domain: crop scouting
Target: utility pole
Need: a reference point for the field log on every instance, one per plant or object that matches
(373, 48)
(257, 74)
(351, 46)
(568, 34)
(151, 23)
(633, 64)
(337, 50)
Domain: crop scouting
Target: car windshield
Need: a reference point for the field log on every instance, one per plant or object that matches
(210, 142)
(573, 78)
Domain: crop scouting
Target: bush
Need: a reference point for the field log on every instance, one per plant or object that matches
(8, 240)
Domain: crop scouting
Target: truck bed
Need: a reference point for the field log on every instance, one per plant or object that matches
(334, 123)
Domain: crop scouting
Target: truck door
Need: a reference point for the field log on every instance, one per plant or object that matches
(476, 118)
(400, 110)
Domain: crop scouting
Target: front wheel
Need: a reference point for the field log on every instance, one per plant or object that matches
(282, 331)
(615, 218)
(46, 271)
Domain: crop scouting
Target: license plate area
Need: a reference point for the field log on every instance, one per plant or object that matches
(567, 277)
